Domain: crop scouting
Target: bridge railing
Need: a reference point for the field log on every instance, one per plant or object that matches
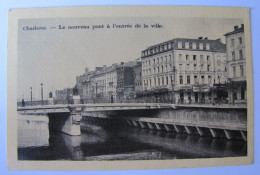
(49, 102)
(82, 101)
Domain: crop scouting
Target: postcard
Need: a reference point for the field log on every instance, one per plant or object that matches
(129, 87)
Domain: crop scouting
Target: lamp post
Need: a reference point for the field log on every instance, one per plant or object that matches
(42, 92)
(31, 93)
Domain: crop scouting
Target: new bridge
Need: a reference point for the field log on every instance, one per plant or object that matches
(228, 121)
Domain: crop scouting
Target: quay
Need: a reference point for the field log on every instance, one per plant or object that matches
(228, 121)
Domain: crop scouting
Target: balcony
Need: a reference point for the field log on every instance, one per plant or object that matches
(237, 78)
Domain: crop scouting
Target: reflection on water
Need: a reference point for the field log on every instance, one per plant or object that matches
(32, 131)
(99, 142)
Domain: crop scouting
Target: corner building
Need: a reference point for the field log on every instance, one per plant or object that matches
(184, 70)
(236, 65)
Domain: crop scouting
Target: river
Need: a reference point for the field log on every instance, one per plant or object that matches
(102, 142)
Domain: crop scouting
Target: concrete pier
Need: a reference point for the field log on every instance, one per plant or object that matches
(151, 125)
(159, 126)
(142, 124)
(68, 124)
(228, 134)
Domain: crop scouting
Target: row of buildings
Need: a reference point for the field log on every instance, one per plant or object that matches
(180, 70)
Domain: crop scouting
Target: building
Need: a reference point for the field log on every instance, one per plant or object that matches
(236, 65)
(183, 70)
(125, 82)
(138, 87)
(111, 83)
(98, 86)
(63, 95)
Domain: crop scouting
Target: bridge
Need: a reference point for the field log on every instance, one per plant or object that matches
(215, 121)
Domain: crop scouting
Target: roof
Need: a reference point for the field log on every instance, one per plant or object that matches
(236, 30)
(215, 45)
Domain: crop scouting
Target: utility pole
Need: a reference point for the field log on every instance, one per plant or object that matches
(96, 92)
(31, 93)
(42, 92)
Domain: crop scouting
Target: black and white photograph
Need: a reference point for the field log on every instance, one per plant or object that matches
(117, 88)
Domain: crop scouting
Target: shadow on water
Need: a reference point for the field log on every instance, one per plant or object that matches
(103, 142)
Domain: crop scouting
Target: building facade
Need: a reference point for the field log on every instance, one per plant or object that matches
(64, 95)
(138, 87)
(236, 65)
(125, 82)
(183, 70)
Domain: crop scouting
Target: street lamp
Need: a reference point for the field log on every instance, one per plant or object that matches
(42, 91)
(31, 93)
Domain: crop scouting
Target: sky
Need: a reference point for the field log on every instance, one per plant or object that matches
(56, 56)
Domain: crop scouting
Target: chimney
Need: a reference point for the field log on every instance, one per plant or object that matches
(242, 26)
(206, 38)
(219, 40)
(122, 63)
(200, 37)
(235, 28)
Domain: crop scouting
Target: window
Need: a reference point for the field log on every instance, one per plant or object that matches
(161, 48)
(167, 81)
(195, 66)
(241, 70)
(158, 69)
(234, 95)
(162, 69)
(204, 46)
(194, 46)
(187, 45)
(202, 79)
(195, 79)
(166, 58)
(242, 93)
(162, 80)
(187, 57)
(209, 79)
(180, 57)
(240, 54)
(150, 81)
(161, 59)
(154, 70)
(208, 67)
(158, 81)
(188, 79)
(181, 79)
(232, 42)
(170, 46)
(180, 66)
(194, 57)
(201, 60)
(234, 71)
(179, 45)
(207, 46)
(233, 56)
(154, 81)
(200, 46)
(149, 62)
(240, 40)
(157, 60)
(187, 67)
